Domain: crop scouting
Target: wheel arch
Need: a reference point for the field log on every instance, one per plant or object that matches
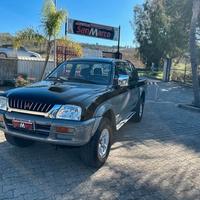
(105, 111)
(109, 114)
(6, 55)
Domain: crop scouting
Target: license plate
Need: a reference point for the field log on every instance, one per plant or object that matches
(22, 124)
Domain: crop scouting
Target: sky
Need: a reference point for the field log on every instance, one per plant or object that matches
(16, 15)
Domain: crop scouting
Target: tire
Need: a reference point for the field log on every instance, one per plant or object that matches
(3, 55)
(92, 154)
(139, 111)
(19, 142)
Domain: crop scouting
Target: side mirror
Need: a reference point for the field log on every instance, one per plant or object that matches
(123, 80)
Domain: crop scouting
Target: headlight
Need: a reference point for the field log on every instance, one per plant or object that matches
(3, 103)
(70, 112)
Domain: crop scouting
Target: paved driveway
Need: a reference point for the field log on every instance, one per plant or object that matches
(156, 159)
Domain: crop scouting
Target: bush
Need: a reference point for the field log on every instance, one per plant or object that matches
(21, 80)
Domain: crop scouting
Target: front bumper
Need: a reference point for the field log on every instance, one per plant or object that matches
(45, 129)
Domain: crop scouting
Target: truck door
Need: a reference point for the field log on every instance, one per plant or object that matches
(133, 89)
(122, 100)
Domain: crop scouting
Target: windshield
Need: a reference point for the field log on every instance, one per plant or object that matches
(87, 72)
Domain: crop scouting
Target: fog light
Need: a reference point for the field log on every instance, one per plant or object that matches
(61, 129)
(2, 122)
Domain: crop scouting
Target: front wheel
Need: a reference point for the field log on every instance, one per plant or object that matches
(3, 55)
(19, 142)
(95, 153)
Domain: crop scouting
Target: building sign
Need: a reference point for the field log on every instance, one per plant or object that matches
(92, 30)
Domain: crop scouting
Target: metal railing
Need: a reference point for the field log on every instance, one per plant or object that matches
(183, 75)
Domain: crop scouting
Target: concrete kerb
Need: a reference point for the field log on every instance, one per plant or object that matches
(189, 107)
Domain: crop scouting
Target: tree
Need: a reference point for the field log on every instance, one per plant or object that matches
(28, 37)
(162, 29)
(150, 30)
(170, 29)
(52, 20)
(5, 38)
(73, 47)
(29, 34)
(179, 13)
(193, 51)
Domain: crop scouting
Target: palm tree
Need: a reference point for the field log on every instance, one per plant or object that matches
(52, 20)
(193, 52)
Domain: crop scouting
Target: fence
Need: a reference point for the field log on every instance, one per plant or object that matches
(182, 73)
(32, 67)
(150, 74)
(8, 69)
(64, 53)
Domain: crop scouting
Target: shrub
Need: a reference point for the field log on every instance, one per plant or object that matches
(21, 80)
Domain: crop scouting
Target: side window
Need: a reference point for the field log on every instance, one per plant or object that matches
(129, 69)
(132, 72)
(64, 71)
(123, 68)
(120, 69)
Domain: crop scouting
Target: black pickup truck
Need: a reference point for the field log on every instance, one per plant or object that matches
(82, 102)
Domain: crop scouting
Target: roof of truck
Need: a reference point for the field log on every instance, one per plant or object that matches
(95, 59)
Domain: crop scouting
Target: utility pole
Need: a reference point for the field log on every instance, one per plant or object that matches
(118, 46)
(55, 63)
(66, 28)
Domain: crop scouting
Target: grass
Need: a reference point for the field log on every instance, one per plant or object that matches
(150, 74)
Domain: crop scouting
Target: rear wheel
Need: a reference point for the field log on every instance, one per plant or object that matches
(19, 142)
(95, 152)
(139, 111)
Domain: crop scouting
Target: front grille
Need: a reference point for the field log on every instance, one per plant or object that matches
(29, 105)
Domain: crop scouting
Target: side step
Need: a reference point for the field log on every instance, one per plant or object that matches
(124, 121)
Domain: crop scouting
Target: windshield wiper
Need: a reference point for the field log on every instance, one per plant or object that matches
(56, 79)
(82, 80)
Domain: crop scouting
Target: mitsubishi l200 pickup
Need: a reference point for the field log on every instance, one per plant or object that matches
(83, 103)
